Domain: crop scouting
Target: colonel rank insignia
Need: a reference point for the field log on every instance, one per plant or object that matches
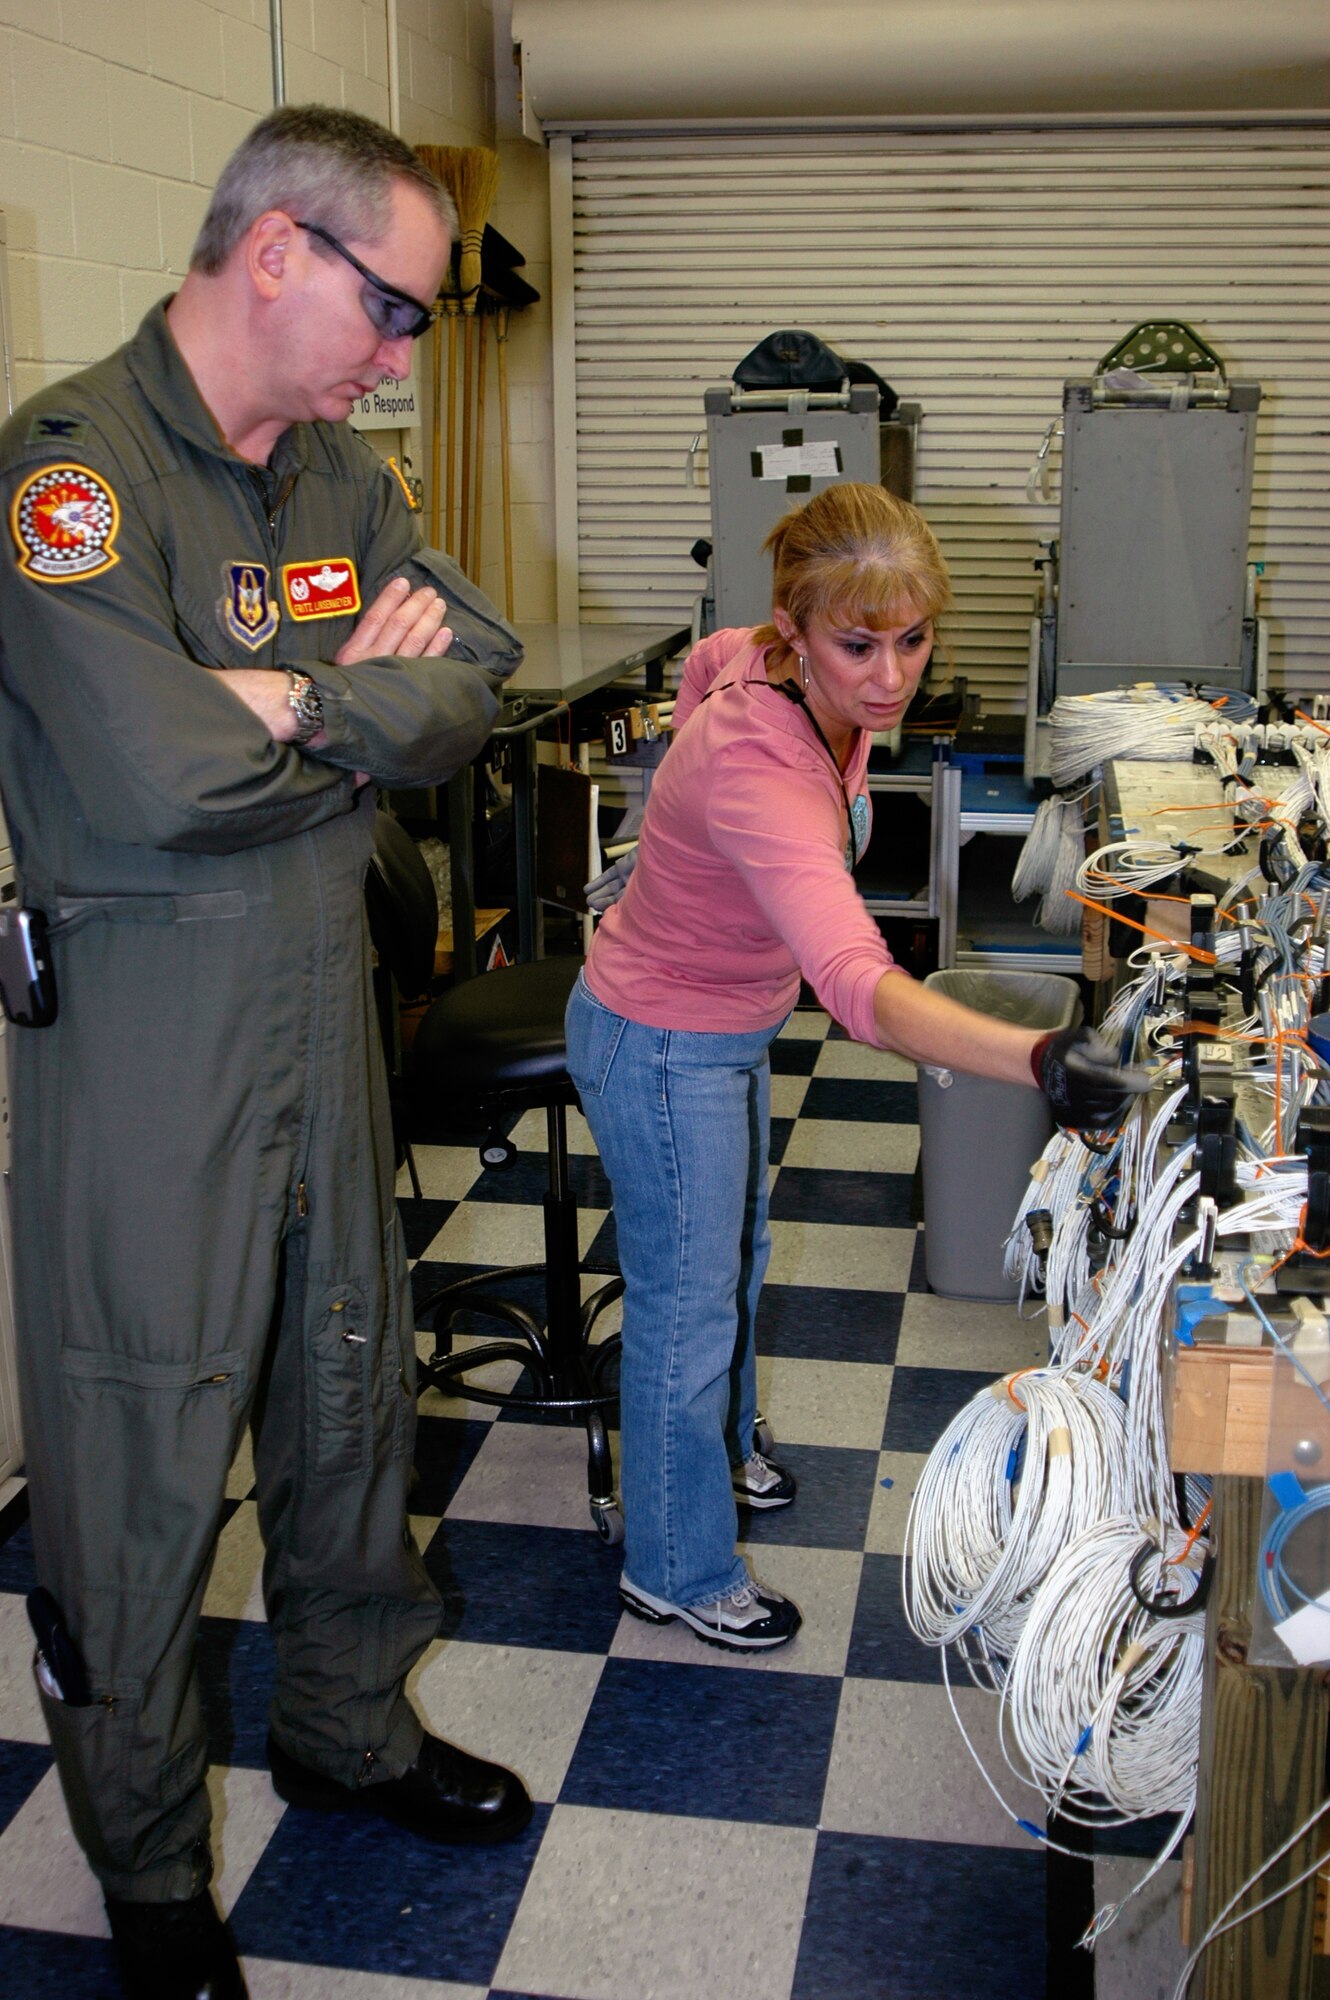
(248, 610)
(64, 521)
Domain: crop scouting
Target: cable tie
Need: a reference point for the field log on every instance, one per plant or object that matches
(1134, 1652)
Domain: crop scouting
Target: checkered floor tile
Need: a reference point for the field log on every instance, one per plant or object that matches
(804, 1825)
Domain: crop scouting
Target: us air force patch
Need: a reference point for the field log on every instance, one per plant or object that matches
(247, 610)
(320, 589)
(64, 521)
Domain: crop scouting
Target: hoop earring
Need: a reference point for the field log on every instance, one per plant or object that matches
(803, 669)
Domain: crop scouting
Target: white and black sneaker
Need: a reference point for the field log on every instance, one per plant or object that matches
(753, 1618)
(760, 1482)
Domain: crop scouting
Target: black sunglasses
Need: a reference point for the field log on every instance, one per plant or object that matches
(389, 310)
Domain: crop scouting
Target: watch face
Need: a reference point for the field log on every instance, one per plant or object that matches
(305, 700)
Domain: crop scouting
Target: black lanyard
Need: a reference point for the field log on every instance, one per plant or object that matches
(793, 692)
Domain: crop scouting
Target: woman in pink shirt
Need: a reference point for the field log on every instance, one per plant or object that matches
(742, 885)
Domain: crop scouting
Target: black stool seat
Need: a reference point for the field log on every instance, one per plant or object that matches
(501, 1032)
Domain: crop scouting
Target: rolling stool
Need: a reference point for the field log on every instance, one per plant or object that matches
(496, 1044)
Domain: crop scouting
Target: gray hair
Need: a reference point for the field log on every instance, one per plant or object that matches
(321, 165)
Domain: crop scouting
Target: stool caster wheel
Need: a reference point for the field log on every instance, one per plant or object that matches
(608, 1522)
(764, 1438)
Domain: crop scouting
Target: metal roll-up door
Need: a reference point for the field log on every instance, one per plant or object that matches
(976, 270)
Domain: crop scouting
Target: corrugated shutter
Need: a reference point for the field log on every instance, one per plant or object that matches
(976, 270)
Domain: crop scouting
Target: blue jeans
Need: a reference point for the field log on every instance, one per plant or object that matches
(682, 1123)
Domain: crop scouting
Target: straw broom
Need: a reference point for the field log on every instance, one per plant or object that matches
(471, 175)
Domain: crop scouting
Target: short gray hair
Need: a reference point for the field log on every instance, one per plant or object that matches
(321, 165)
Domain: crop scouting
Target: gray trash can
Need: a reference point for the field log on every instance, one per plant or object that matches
(979, 1139)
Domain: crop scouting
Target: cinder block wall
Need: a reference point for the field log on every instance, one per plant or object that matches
(116, 115)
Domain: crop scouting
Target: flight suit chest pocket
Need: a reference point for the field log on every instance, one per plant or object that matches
(346, 1338)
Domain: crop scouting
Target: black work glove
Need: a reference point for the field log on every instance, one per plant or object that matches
(1079, 1073)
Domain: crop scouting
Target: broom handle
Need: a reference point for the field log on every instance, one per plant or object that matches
(449, 538)
(436, 436)
(468, 392)
(480, 441)
(501, 344)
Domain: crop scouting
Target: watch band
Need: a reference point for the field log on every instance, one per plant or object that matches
(307, 704)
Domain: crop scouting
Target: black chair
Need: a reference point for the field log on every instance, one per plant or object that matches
(486, 1049)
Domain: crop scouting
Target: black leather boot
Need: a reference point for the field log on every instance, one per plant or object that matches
(447, 1795)
(175, 1951)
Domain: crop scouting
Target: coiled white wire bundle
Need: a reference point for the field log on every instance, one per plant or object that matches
(1053, 851)
(1139, 722)
(1027, 1463)
(1102, 1702)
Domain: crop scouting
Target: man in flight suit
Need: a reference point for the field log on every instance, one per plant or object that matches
(219, 632)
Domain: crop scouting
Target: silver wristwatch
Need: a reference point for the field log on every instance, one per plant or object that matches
(307, 703)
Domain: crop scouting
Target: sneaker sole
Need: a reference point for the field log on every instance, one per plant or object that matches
(745, 1499)
(729, 1642)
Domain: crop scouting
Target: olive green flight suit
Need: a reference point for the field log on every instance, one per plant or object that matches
(203, 1212)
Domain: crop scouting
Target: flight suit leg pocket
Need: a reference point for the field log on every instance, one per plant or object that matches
(345, 1360)
(149, 1446)
(399, 1383)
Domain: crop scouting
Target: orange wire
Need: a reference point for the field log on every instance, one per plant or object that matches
(1012, 1379)
(1192, 950)
(1311, 722)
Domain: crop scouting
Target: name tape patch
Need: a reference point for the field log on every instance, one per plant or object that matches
(247, 610)
(324, 589)
(64, 521)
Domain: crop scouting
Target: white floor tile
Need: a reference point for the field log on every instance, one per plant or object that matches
(529, 1473)
(856, 1059)
(849, 1255)
(272, 1979)
(1142, 1955)
(45, 1884)
(235, 1588)
(522, 1706)
(447, 1173)
(900, 1769)
(623, 1903)
(21, 1719)
(787, 1095)
(964, 1333)
(891, 1504)
(860, 1145)
(245, 1813)
(824, 1402)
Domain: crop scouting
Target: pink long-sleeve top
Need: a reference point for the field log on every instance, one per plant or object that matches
(741, 881)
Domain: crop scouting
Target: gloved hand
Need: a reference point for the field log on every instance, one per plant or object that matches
(607, 887)
(1079, 1073)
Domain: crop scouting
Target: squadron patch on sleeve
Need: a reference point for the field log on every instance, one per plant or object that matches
(248, 610)
(64, 521)
(324, 589)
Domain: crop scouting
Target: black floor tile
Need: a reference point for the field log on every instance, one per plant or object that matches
(707, 1742)
(882, 1646)
(924, 1401)
(509, 1585)
(921, 1920)
(868, 1100)
(824, 1323)
(835, 1194)
(830, 1510)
